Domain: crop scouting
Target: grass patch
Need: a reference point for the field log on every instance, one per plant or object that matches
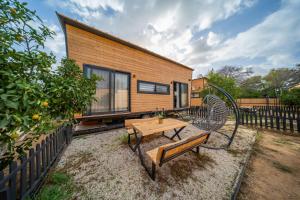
(123, 138)
(282, 167)
(183, 168)
(258, 136)
(59, 186)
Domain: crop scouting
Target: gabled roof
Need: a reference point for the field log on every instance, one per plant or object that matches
(66, 20)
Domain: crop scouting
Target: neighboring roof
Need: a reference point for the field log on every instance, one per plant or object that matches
(66, 20)
(200, 78)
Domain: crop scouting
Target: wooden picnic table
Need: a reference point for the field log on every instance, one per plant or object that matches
(153, 127)
(150, 127)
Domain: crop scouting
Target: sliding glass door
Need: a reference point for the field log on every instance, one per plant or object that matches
(112, 91)
(180, 95)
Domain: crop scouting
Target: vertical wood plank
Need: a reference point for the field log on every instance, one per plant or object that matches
(43, 156)
(284, 121)
(291, 124)
(298, 121)
(51, 147)
(31, 167)
(13, 181)
(260, 120)
(23, 176)
(271, 121)
(266, 119)
(47, 152)
(255, 118)
(3, 194)
(38, 160)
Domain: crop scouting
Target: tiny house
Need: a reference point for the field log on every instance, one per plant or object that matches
(134, 79)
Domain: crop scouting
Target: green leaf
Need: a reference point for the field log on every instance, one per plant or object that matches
(4, 122)
(12, 104)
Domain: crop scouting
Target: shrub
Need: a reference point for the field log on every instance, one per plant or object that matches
(291, 97)
(32, 96)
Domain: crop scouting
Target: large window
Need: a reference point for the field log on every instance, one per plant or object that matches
(112, 91)
(152, 88)
(180, 95)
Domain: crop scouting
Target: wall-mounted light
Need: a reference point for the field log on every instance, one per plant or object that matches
(133, 76)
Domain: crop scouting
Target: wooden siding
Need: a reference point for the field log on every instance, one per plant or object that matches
(250, 102)
(87, 48)
(198, 84)
(196, 101)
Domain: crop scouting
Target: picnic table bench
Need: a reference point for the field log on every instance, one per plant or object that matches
(160, 155)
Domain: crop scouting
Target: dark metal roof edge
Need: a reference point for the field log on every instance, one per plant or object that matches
(66, 20)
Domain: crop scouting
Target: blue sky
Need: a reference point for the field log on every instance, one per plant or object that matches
(201, 34)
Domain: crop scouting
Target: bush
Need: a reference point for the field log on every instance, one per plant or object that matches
(291, 97)
(32, 96)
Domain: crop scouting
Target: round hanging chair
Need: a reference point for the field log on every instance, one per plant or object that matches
(213, 114)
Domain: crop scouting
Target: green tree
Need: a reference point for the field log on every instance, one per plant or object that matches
(239, 74)
(30, 93)
(225, 82)
(24, 66)
(291, 97)
(252, 87)
(69, 90)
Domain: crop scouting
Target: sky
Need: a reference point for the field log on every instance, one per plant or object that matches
(202, 34)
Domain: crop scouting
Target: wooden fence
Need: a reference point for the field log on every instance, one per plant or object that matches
(283, 118)
(250, 102)
(24, 176)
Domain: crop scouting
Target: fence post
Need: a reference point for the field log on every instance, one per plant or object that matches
(31, 167)
(43, 156)
(251, 117)
(3, 190)
(38, 160)
(271, 121)
(298, 121)
(266, 119)
(291, 124)
(255, 118)
(13, 181)
(260, 119)
(284, 121)
(23, 178)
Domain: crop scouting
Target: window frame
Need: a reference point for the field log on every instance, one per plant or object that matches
(111, 87)
(180, 92)
(155, 90)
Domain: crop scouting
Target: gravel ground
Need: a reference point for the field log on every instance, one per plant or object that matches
(106, 168)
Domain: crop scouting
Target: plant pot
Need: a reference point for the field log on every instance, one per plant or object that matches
(160, 120)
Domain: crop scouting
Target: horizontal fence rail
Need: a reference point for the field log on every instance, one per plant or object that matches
(25, 175)
(282, 118)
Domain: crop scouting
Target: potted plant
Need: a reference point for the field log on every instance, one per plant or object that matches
(161, 116)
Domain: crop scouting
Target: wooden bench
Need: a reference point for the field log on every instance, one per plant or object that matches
(167, 152)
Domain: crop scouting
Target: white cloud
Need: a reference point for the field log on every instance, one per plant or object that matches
(169, 28)
(213, 39)
(165, 27)
(57, 43)
(275, 41)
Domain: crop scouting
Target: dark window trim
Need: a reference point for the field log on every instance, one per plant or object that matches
(111, 71)
(155, 84)
(180, 103)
